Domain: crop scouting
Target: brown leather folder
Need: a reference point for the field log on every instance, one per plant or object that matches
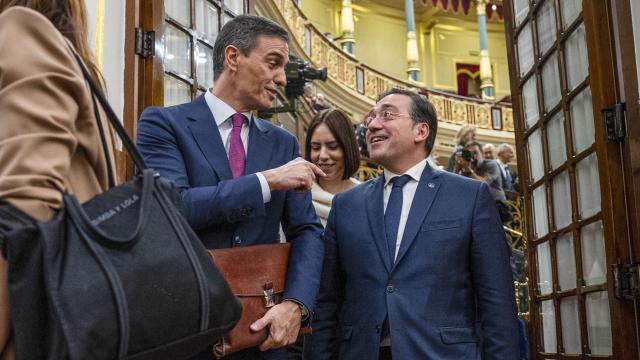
(256, 275)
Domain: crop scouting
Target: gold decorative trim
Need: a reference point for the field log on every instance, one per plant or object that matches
(515, 227)
(367, 172)
(467, 72)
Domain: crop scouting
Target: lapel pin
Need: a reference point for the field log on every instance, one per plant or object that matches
(431, 185)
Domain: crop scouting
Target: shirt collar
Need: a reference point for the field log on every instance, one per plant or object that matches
(221, 110)
(415, 172)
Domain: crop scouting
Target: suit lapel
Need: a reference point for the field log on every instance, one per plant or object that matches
(205, 131)
(258, 149)
(375, 213)
(422, 201)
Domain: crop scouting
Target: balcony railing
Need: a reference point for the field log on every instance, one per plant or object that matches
(362, 79)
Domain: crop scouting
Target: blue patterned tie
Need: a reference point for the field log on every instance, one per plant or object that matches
(392, 214)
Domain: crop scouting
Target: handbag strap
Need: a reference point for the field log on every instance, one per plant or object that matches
(103, 141)
(112, 117)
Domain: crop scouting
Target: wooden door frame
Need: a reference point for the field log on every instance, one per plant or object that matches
(627, 87)
(143, 77)
(610, 46)
(130, 84)
(605, 23)
(628, 93)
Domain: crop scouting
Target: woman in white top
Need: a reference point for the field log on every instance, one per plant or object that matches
(331, 145)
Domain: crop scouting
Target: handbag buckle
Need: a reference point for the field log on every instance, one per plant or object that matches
(269, 295)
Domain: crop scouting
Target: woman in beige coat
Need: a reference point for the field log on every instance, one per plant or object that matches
(49, 140)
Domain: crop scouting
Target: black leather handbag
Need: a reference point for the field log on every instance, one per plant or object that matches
(121, 276)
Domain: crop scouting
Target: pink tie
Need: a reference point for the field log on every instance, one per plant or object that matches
(236, 149)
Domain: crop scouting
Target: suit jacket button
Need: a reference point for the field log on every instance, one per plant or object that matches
(390, 288)
(237, 240)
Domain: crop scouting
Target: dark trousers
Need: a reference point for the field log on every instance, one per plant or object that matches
(248, 354)
(295, 350)
(385, 353)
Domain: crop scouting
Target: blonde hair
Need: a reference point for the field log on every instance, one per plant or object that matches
(70, 18)
(463, 132)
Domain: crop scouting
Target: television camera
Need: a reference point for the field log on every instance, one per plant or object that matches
(298, 73)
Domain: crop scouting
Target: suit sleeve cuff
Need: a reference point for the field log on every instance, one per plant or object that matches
(266, 192)
(303, 309)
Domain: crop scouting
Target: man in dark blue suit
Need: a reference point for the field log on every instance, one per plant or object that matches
(413, 258)
(240, 176)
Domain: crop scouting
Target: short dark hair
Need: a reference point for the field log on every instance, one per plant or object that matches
(242, 32)
(343, 130)
(422, 111)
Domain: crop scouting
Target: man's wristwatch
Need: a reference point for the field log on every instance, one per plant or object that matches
(304, 312)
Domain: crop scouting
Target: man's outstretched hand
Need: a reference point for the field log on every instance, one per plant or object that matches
(298, 174)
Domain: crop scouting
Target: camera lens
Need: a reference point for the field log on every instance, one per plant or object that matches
(314, 74)
(298, 73)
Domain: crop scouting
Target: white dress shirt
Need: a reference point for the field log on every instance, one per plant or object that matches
(408, 192)
(502, 169)
(222, 113)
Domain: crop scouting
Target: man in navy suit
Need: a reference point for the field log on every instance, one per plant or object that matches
(241, 177)
(415, 257)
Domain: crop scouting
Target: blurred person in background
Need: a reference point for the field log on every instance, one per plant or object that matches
(331, 145)
(49, 137)
(361, 133)
(470, 162)
(309, 94)
(465, 134)
(321, 102)
(489, 151)
(509, 178)
(509, 185)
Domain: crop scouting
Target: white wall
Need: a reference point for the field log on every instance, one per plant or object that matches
(113, 47)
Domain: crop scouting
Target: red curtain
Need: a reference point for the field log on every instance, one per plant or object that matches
(465, 73)
(499, 11)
